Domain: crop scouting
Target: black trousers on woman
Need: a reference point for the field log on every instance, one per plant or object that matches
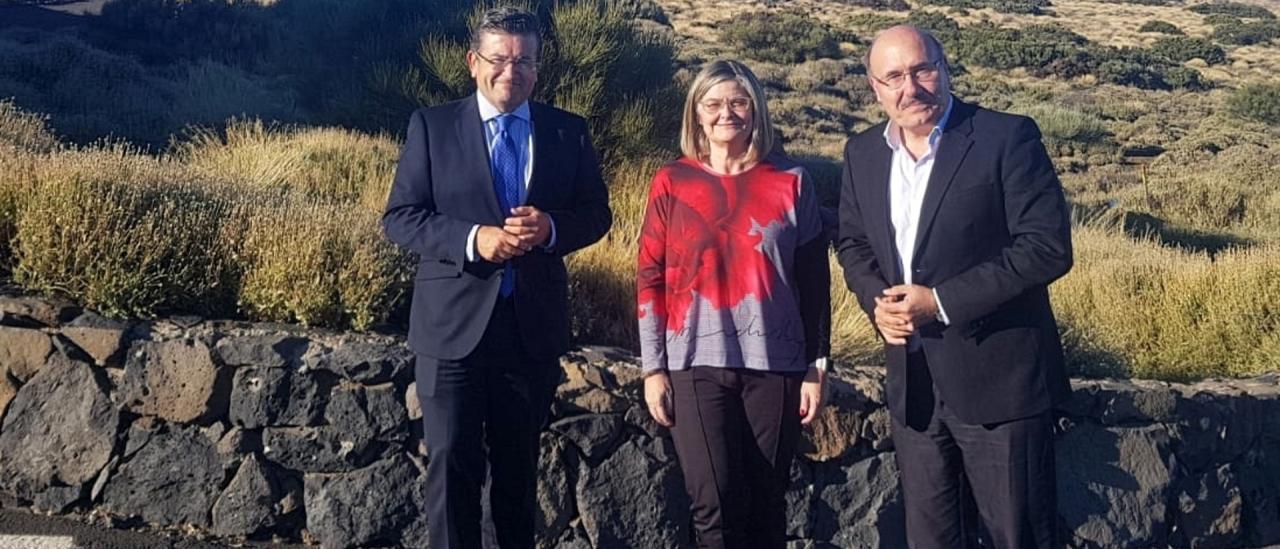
(735, 433)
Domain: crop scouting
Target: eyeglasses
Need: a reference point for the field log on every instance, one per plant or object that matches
(925, 73)
(500, 63)
(736, 104)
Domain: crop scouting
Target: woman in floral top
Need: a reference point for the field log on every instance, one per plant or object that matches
(734, 309)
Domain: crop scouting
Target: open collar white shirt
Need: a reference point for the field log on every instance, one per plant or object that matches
(908, 181)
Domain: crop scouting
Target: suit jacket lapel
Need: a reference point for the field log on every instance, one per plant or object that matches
(544, 139)
(880, 220)
(474, 149)
(954, 145)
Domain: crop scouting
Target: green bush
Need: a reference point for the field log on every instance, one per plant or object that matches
(1162, 27)
(1051, 49)
(891, 5)
(1027, 7)
(1181, 49)
(1007, 47)
(643, 9)
(1184, 78)
(1144, 2)
(1127, 72)
(1216, 19)
(944, 28)
(1257, 101)
(787, 37)
(1244, 33)
(871, 23)
(1234, 9)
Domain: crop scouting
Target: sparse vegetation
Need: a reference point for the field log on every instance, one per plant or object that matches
(1234, 9)
(1258, 102)
(1243, 33)
(786, 37)
(1027, 7)
(1051, 49)
(1181, 49)
(892, 5)
(1162, 27)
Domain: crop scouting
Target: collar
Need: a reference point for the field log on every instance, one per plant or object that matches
(489, 112)
(894, 138)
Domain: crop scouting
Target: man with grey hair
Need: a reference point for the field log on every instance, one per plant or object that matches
(491, 192)
(952, 225)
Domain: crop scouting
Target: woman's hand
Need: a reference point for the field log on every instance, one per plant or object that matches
(811, 392)
(657, 395)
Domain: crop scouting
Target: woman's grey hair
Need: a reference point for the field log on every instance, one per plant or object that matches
(693, 141)
(508, 20)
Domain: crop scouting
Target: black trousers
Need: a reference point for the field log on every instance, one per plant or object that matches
(484, 412)
(735, 433)
(962, 482)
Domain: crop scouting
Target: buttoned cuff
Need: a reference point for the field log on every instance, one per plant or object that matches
(471, 243)
(822, 363)
(942, 313)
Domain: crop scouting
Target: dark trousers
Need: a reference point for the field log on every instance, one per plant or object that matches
(485, 411)
(962, 481)
(735, 433)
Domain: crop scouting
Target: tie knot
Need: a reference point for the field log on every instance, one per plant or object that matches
(506, 121)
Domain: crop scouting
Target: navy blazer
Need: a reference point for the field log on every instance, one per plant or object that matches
(444, 185)
(994, 231)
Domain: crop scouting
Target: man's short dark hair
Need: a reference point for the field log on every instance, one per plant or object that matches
(509, 20)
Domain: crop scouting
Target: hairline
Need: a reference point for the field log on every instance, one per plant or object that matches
(933, 47)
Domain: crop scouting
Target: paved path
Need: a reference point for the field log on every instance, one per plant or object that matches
(21, 530)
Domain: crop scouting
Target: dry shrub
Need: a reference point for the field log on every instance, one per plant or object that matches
(319, 264)
(816, 74)
(1137, 309)
(853, 338)
(602, 277)
(25, 130)
(125, 234)
(325, 163)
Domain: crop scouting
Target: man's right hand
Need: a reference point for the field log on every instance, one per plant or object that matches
(496, 245)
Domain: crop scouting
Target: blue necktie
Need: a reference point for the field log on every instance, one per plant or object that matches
(506, 182)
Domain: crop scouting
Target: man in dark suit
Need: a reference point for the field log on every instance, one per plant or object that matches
(952, 225)
(491, 192)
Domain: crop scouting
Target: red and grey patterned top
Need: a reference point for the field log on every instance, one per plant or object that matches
(717, 274)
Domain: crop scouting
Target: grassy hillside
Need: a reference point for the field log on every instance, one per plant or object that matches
(255, 190)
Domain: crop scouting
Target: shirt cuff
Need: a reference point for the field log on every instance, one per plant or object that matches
(821, 364)
(942, 313)
(471, 243)
(551, 240)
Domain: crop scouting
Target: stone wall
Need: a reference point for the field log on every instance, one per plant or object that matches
(238, 430)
